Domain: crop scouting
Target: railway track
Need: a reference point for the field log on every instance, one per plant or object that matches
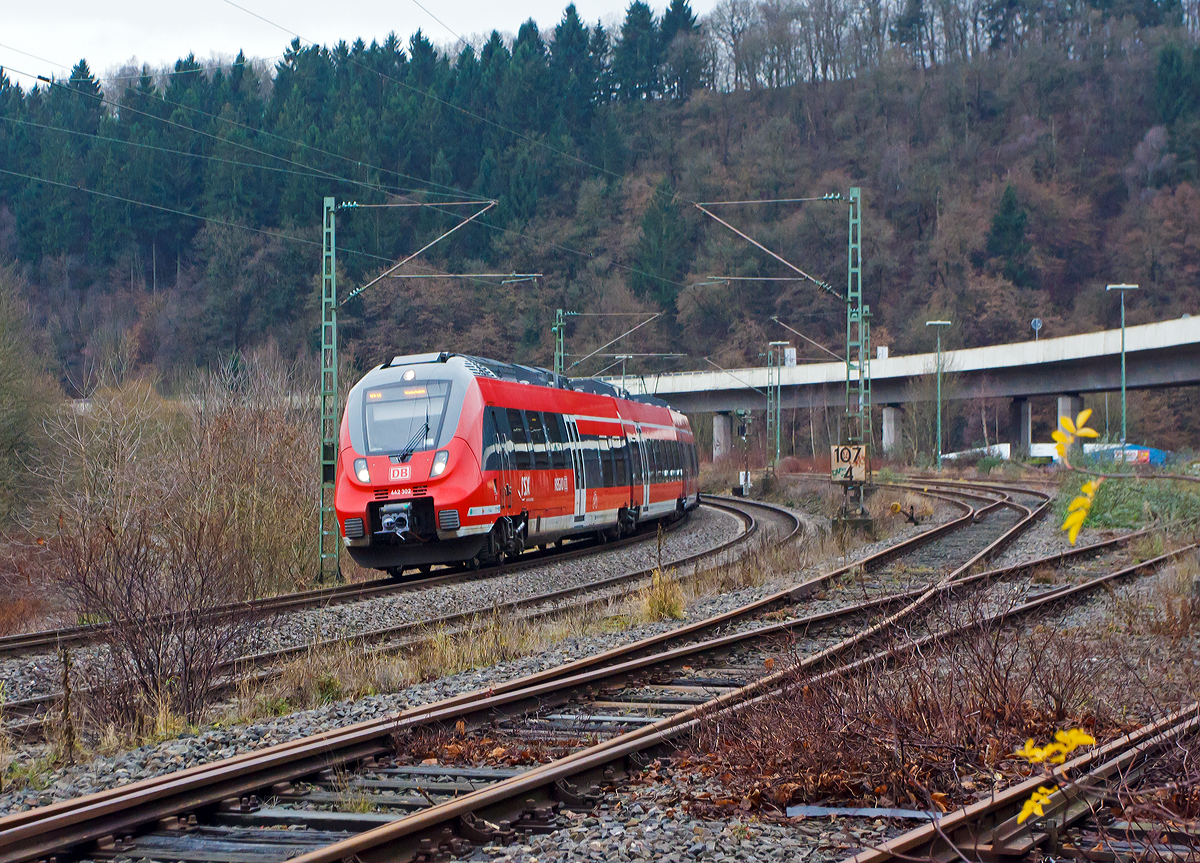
(600, 714)
(22, 643)
(27, 717)
(989, 829)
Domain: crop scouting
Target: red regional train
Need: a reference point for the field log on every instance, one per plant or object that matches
(447, 458)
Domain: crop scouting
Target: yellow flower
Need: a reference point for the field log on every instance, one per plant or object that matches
(1066, 423)
(1031, 753)
(1078, 509)
(1065, 743)
(1074, 738)
(1036, 803)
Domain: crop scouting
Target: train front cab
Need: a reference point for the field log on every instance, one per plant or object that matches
(409, 465)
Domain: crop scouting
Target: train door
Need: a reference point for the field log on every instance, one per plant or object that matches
(577, 467)
(639, 452)
(504, 451)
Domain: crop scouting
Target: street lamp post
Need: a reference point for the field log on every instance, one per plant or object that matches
(938, 327)
(1122, 289)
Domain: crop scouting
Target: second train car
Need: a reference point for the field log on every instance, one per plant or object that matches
(447, 458)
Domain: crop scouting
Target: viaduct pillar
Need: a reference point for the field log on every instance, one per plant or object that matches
(1021, 422)
(891, 428)
(1070, 406)
(722, 436)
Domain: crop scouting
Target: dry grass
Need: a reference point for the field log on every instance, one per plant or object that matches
(1167, 605)
(351, 798)
(938, 727)
(352, 669)
(19, 615)
(662, 598)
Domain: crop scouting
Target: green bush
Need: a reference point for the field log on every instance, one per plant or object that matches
(988, 463)
(1134, 503)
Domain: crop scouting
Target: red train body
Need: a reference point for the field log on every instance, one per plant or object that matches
(447, 458)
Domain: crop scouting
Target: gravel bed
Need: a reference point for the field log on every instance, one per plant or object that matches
(1044, 538)
(641, 824)
(39, 674)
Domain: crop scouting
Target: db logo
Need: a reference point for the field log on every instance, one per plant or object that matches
(524, 486)
(401, 471)
(560, 483)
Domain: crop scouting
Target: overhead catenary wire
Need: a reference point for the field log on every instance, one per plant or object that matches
(443, 23)
(825, 286)
(735, 377)
(234, 123)
(655, 316)
(400, 264)
(769, 201)
(330, 175)
(202, 69)
(807, 339)
(172, 152)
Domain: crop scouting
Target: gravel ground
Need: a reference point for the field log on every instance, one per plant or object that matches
(1045, 538)
(40, 674)
(641, 824)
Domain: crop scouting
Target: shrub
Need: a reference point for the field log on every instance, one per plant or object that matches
(662, 599)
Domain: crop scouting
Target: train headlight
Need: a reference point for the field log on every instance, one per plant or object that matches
(439, 463)
(361, 471)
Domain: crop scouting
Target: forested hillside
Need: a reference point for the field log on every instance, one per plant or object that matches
(1014, 157)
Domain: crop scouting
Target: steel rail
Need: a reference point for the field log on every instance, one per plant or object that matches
(412, 633)
(989, 827)
(41, 640)
(75, 822)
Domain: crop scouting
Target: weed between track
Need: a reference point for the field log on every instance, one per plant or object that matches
(662, 598)
(491, 749)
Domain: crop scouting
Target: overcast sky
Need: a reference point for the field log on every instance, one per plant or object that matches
(110, 34)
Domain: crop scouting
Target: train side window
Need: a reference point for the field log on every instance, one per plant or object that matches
(495, 435)
(520, 439)
(652, 451)
(676, 467)
(555, 437)
(620, 459)
(537, 441)
(591, 460)
(606, 465)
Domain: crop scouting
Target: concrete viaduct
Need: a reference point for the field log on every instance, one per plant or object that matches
(1162, 354)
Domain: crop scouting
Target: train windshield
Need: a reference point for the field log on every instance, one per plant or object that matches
(406, 418)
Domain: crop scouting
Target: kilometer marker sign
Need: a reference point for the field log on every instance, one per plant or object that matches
(848, 463)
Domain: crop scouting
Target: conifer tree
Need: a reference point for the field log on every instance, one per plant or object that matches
(662, 251)
(1006, 239)
(638, 54)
